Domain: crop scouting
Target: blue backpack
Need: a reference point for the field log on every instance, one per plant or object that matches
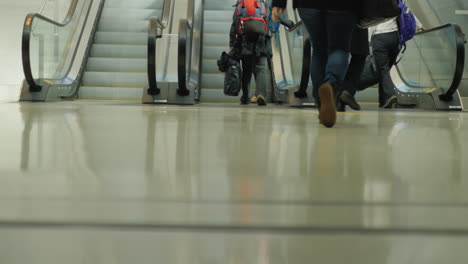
(406, 25)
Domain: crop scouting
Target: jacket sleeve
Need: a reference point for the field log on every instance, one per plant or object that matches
(280, 3)
(233, 31)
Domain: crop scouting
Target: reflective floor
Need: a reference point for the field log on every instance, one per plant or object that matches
(113, 182)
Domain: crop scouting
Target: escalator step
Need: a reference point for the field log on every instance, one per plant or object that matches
(117, 64)
(122, 51)
(155, 4)
(136, 14)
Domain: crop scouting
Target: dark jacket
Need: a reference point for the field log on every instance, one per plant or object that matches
(321, 4)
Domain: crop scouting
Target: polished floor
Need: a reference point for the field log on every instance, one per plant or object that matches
(112, 182)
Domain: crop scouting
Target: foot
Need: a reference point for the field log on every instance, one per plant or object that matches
(300, 94)
(327, 110)
(340, 106)
(393, 100)
(261, 100)
(245, 100)
(253, 100)
(348, 99)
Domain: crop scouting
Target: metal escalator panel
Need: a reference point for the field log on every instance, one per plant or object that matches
(50, 50)
(431, 69)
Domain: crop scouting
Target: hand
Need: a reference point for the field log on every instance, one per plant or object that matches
(231, 48)
(275, 13)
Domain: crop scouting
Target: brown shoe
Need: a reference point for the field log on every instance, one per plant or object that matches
(327, 111)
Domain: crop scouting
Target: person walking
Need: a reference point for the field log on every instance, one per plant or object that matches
(330, 25)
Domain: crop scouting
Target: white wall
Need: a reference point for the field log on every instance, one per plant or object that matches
(12, 14)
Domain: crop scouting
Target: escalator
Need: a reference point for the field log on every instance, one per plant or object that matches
(427, 76)
(431, 69)
(101, 50)
(209, 23)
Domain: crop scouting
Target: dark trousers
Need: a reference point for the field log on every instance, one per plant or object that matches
(330, 32)
(385, 51)
(356, 66)
(257, 66)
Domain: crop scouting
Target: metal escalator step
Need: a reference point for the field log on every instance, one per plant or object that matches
(115, 79)
(214, 52)
(210, 66)
(126, 13)
(219, 5)
(154, 4)
(212, 81)
(122, 25)
(122, 51)
(217, 27)
(218, 15)
(110, 93)
(211, 39)
(126, 38)
(117, 64)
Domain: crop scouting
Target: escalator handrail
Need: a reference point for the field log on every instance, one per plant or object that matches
(296, 26)
(155, 27)
(184, 29)
(307, 56)
(26, 37)
(460, 60)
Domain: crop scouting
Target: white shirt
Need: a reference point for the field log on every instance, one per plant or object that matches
(390, 26)
(385, 27)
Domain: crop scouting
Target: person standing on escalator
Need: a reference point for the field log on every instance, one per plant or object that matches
(250, 41)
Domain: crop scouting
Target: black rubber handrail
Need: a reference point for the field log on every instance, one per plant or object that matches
(184, 30)
(307, 56)
(459, 64)
(26, 41)
(155, 27)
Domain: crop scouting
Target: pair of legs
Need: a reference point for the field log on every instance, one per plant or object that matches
(257, 66)
(385, 51)
(330, 32)
(356, 67)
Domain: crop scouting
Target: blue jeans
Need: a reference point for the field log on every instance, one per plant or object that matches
(330, 32)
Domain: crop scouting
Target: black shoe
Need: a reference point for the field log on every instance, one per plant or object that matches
(245, 100)
(393, 100)
(261, 100)
(348, 99)
(300, 94)
(340, 106)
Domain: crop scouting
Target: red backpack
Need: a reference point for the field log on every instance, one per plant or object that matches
(251, 16)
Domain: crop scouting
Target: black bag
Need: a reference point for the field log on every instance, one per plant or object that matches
(233, 78)
(374, 12)
(369, 76)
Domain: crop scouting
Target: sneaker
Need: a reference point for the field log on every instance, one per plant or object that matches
(327, 110)
(253, 100)
(348, 99)
(261, 100)
(393, 100)
(245, 100)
